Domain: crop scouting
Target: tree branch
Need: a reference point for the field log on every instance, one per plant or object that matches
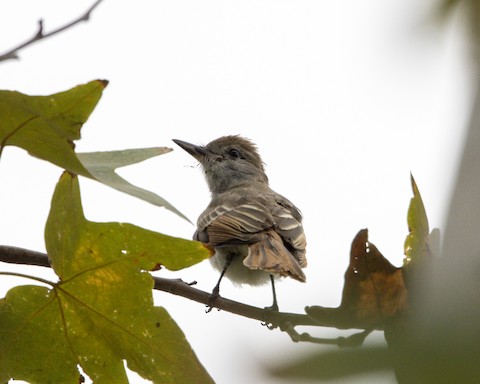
(41, 35)
(285, 321)
(15, 255)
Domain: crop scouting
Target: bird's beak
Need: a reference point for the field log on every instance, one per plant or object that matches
(197, 151)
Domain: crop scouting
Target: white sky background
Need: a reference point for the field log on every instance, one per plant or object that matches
(343, 99)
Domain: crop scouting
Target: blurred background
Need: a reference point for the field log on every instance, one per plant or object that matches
(344, 99)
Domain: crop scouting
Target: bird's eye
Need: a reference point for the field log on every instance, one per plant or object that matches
(234, 153)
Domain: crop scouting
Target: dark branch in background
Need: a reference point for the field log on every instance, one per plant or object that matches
(16, 255)
(41, 35)
(272, 319)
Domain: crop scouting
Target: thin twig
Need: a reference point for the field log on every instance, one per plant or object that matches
(41, 35)
(285, 321)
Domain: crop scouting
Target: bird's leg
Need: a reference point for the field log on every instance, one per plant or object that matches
(216, 289)
(274, 306)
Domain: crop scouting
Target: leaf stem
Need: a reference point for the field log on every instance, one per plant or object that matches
(35, 278)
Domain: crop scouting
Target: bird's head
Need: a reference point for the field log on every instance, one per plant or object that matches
(227, 161)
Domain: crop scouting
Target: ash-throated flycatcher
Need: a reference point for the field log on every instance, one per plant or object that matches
(256, 233)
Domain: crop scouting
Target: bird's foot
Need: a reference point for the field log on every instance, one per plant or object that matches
(273, 307)
(211, 300)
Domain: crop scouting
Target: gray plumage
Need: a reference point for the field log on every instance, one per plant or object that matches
(259, 229)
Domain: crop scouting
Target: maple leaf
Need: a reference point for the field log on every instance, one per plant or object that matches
(373, 292)
(100, 313)
(47, 126)
(102, 166)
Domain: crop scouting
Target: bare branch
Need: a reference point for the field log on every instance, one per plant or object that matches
(15, 255)
(272, 319)
(41, 35)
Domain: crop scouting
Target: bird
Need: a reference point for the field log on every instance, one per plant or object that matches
(257, 234)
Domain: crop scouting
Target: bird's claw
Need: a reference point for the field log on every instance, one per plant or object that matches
(213, 297)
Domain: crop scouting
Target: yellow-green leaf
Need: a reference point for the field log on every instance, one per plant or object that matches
(32, 343)
(46, 126)
(101, 312)
(416, 243)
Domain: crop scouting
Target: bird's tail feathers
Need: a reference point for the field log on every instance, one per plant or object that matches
(270, 255)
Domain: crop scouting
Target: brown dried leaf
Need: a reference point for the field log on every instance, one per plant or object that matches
(374, 290)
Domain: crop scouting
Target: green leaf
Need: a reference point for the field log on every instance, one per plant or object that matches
(416, 243)
(101, 312)
(102, 165)
(31, 344)
(46, 126)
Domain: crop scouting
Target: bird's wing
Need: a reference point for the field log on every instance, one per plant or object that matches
(224, 225)
(248, 219)
(288, 224)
